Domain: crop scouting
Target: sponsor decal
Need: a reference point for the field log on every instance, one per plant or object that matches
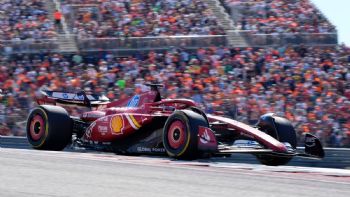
(117, 124)
(246, 143)
(143, 149)
(134, 101)
(154, 150)
(133, 122)
(65, 95)
(92, 115)
(102, 129)
(251, 142)
(158, 150)
(103, 119)
(80, 97)
(205, 138)
(89, 130)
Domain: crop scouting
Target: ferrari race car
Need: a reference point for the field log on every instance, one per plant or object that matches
(147, 124)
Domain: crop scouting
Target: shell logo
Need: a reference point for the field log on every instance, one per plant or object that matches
(117, 124)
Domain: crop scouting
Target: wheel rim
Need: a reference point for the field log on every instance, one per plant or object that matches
(176, 134)
(37, 127)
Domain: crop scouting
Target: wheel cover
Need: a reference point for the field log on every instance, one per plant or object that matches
(37, 127)
(176, 134)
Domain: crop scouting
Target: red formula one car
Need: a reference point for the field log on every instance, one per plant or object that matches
(148, 124)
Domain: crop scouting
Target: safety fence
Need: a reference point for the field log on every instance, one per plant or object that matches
(28, 46)
(159, 42)
(166, 42)
(115, 44)
(310, 39)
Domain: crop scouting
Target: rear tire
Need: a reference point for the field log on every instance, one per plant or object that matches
(180, 134)
(49, 128)
(281, 129)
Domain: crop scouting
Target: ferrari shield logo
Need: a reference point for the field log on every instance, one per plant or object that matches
(117, 124)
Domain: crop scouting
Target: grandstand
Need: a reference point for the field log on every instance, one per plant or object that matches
(242, 57)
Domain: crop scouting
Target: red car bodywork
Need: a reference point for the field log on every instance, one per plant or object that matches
(118, 119)
(140, 124)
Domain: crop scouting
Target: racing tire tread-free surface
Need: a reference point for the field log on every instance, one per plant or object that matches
(49, 128)
(285, 133)
(180, 134)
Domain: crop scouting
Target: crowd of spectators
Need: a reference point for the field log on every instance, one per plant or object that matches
(140, 18)
(280, 16)
(25, 19)
(308, 85)
(28, 19)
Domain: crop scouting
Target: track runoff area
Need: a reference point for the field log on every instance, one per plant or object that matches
(28, 172)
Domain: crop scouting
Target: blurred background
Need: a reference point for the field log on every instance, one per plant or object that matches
(241, 57)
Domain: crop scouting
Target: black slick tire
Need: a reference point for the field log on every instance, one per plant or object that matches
(49, 128)
(284, 131)
(180, 134)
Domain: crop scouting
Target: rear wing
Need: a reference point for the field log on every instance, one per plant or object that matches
(66, 98)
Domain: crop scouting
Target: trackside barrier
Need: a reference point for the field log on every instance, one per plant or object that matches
(335, 157)
(14, 142)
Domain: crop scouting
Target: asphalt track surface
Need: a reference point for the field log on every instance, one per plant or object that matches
(26, 172)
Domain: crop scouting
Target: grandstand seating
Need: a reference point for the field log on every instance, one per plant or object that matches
(280, 16)
(25, 19)
(136, 18)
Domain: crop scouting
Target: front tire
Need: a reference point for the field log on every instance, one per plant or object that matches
(49, 128)
(180, 134)
(281, 129)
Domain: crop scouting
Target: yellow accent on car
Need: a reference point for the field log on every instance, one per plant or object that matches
(134, 121)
